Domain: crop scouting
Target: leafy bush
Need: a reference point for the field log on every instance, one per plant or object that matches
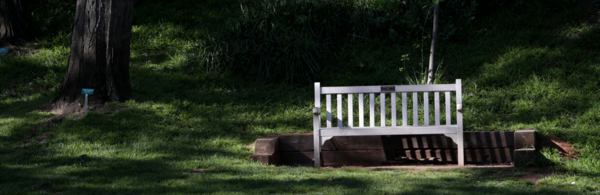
(289, 40)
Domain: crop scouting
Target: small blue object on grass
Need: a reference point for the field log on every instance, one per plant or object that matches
(86, 92)
(4, 51)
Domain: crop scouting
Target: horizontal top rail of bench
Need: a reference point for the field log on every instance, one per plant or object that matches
(388, 88)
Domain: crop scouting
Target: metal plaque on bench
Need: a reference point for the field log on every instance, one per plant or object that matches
(388, 88)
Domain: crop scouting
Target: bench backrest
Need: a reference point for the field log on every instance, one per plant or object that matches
(388, 125)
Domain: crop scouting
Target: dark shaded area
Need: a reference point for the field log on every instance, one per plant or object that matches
(12, 27)
(99, 59)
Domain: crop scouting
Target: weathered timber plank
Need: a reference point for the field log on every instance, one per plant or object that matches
(524, 139)
(493, 155)
(296, 142)
(524, 157)
(266, 159)
(357, 157)
(266, 145)
(494, 139)
(382, 157)
(304, 142)
(297, 158)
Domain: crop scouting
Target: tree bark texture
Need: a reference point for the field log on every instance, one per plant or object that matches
(12, 27)
(99, 59)
(431, 72)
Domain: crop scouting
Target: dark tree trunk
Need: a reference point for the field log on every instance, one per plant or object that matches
(99, 56)
(12, 27)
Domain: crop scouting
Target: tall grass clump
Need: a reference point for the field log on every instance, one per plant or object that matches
(289, 40)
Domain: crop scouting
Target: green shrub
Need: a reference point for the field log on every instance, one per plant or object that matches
(289, 40)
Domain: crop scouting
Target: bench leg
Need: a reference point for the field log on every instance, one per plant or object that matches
(317, 149)
(461, 150)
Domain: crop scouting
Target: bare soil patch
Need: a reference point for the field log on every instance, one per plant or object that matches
(566, 150)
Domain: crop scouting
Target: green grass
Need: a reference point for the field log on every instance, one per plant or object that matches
(187, 128)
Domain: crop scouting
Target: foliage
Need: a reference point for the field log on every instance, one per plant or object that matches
(52, 19)
(288, 40)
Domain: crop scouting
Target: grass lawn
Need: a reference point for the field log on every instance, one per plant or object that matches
(188, 128)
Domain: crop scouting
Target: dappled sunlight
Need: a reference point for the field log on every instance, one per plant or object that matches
(191, 124)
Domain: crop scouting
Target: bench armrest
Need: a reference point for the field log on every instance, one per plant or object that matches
(316, 111)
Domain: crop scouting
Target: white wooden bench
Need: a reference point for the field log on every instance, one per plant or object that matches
(454, 131)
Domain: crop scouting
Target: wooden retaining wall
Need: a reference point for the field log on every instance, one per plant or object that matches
(480, 148)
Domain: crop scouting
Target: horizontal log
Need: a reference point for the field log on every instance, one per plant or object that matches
(266, 145)
(297, 158)
(266, 159)
(357, 157)
(488, 139)
(386, 157)
(296, 142)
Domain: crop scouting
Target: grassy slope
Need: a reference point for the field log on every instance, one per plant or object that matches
(538, 70)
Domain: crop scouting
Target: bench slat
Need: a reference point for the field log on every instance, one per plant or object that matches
(361, 110)
(436, 102)
(350, 111)
(340, 121)
(426, 108)
(372, 109)
(415, 109)
(404, 110)
(448, 115)
(394, 123)
(359, 131)
(382, 108)
(398, 88)
(328, 97)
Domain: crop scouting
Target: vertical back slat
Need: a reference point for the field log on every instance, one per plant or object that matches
(382, 108)
(415, 109)
(436, 102)
(372, 109)
(328, 98)
(339, 111)
(426, 108)
(394, 123)
(404, 110)
(448, 115)
(350, 111)
(361, 110)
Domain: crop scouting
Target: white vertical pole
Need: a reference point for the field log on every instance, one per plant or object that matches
(459, 124)
(317, 126)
